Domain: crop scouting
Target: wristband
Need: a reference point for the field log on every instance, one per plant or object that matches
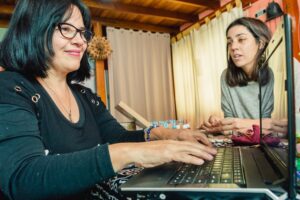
(147, 132)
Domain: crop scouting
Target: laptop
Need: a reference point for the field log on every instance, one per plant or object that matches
(264, 171)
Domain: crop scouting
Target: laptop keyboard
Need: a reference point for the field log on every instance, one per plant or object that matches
(225, 168)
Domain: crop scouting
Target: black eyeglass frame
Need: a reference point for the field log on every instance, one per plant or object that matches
(81, 32)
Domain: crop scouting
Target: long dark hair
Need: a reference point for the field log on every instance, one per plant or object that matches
(27, 45)
(235, 76)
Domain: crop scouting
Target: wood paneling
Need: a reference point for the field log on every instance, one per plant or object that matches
(214, 4)
(140, 10)
(149, 15)
(135, 25)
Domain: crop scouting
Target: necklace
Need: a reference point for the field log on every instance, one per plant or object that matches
(69, 98)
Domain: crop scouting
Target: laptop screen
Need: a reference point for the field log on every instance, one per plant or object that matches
(278, 137)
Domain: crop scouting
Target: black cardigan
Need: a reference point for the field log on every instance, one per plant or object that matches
(31, 126)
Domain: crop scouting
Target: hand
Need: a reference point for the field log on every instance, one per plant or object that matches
(280, 125)
(195, 136)
(213, 121)
(154, 153)
(274, 125)
(236, 124)
(1, 69)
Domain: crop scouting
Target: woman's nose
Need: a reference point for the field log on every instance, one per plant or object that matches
(78, 39)
(234, 45)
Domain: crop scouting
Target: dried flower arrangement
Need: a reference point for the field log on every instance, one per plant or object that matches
(99, 48)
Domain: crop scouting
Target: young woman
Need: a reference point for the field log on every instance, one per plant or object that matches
(247, 39)
(57, 140)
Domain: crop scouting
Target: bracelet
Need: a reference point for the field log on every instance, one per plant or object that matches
(147, 132)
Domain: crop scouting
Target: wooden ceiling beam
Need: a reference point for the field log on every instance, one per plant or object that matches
(135, 25)
(4, 23)
(212, 4)
(6, 9)
(139, 10)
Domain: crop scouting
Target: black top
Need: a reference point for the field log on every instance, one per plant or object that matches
(42, 154)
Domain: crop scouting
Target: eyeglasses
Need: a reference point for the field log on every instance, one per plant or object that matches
(69, 31)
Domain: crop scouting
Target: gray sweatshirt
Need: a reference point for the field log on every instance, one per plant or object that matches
(243, 102)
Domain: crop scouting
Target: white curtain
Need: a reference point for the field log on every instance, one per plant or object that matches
(184, 82)
(198, 60)
(278, 66)
(140, 73)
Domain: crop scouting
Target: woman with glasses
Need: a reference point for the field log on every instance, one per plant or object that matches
(57, 140)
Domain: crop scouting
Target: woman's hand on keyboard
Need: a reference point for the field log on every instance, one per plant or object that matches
(154, 153)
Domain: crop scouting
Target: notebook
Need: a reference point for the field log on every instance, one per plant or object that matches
(262, 171)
